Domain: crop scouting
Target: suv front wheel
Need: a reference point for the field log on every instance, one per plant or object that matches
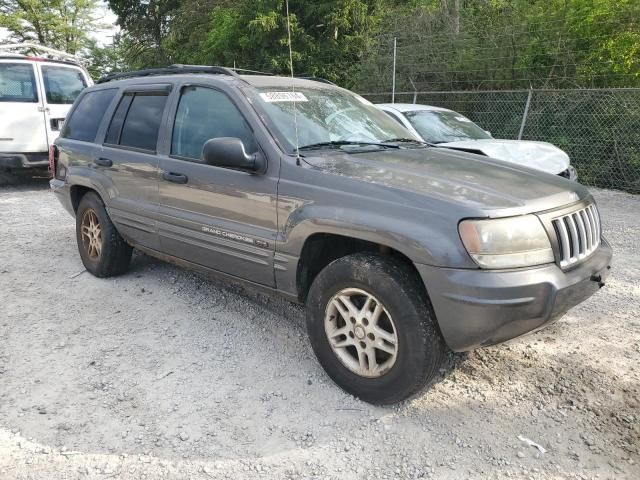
(372, 328)
(103, 251)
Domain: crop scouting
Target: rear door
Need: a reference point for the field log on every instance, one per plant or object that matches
(61, 85)
(22, 121)
(128, 156)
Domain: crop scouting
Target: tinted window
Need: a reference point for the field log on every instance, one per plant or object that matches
(204, 114)
(113, 134)
(62, 85)
(85, 119)
(17, 83)
(142, 122)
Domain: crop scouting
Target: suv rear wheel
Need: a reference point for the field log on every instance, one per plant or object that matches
(103, 251)
(372, 328)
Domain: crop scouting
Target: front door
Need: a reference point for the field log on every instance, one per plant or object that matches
(61, 85)
(216, 217)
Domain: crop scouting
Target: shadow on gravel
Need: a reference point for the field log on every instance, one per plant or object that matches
(24, 180)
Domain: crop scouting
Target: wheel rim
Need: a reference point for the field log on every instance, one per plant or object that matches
(91, 234)
(361, 332)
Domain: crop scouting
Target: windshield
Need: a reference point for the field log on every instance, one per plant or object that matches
(325, 115)
(438, 126)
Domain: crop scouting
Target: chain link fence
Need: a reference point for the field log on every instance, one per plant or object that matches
(598, 128)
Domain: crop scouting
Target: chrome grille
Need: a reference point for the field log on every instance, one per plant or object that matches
(578, 234)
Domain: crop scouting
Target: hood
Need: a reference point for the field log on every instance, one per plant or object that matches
(539, 155)
(489, 186)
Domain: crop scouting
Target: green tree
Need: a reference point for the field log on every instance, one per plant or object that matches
(328, 37)
(145, 26)
(61, 24)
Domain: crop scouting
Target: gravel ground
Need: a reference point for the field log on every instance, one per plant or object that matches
(162, 374)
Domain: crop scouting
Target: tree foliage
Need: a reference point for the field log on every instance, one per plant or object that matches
(61, 24)
(442, 44)
(502, 44)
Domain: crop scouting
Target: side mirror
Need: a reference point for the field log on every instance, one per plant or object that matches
(229, 152)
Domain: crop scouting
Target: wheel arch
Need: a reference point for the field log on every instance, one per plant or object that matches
(321, 248)
(79, 191)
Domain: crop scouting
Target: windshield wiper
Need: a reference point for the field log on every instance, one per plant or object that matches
(340, 143)
(410, 140)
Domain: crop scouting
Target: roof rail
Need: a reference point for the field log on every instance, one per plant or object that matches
(170, 70)
(256, 72)
(316, 79)
(55, 54)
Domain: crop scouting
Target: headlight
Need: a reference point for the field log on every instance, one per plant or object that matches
(506, 242)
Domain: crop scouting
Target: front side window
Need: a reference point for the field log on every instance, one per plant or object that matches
(203, 114)
(325, 114)
(441, 126)
(17, 83)
(62, 84)
(136, 121)
(86, 117)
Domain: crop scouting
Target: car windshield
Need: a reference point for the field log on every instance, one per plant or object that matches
(326, 116)
(440, 126)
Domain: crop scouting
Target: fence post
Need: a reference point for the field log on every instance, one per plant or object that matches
(524, 115)
(415, 92)
(393, 82)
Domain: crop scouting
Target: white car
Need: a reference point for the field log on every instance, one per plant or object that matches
(35, 96)
(450, 129)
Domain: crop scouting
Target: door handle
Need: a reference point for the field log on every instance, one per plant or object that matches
(175, 177)
(103, 162)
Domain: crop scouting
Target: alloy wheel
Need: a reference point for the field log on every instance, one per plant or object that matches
(91, 234)
(361, 332)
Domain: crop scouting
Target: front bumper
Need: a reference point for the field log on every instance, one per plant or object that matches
(482, 307)
(24, 160)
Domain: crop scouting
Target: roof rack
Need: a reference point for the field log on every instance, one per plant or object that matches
(170, 70)
(52, 53)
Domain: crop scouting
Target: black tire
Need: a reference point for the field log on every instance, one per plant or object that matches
(115, 254)
(420, 348)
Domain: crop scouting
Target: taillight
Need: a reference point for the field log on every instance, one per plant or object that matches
(53, 153)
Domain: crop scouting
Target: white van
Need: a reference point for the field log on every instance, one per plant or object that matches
(35, 96)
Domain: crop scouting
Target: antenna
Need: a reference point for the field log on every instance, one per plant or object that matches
(293, 88)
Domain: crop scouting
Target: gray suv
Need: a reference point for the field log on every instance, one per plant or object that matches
(399, 250)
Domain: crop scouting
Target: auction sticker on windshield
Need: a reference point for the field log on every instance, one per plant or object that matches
(283, 97)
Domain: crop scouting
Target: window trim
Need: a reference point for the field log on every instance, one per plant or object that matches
(36, 84)
(113, 116)
(153, 90)
(175, 114)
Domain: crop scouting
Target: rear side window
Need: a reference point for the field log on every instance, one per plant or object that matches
(136, 121)
(17, 83)
(86, 117)
(62, 84)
